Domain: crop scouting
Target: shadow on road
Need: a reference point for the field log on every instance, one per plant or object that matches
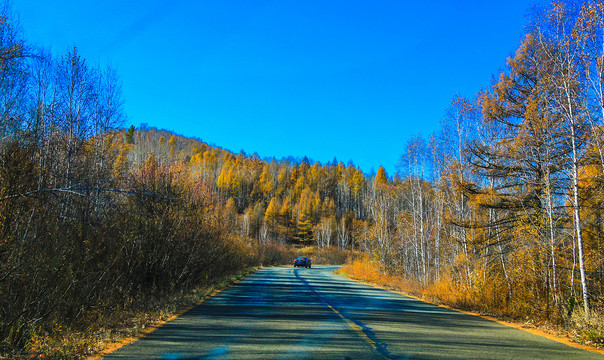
(282, 313)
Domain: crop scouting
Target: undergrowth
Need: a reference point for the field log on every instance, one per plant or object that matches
(113, 326)
(576, 328)
(331, 255)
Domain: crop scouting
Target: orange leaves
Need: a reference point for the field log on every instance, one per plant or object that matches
(380, 181)
(286, 209)
(120, 166)
(149, 171)
(265, 182)
(272, 212)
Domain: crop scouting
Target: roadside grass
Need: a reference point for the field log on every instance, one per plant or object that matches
(108, 328)
(589, 332)
(330, 255)
(576, 330)
(365, 270)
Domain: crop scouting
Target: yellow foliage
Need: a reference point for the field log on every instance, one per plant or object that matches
(286, 209)
(381, 180)
(272, 212)
(366, 269)
(120, 166)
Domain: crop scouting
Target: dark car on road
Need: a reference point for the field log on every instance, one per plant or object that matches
(302, 261)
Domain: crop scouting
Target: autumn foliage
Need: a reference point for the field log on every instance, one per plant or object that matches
(500, 212)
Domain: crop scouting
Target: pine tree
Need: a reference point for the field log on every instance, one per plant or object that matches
(130, 135)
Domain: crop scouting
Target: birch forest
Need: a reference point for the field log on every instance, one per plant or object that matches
(500, 211)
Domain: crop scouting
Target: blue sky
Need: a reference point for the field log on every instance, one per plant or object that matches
(352, 80)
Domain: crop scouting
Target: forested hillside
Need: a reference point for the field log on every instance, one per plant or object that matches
(502, 211)
(289, 202)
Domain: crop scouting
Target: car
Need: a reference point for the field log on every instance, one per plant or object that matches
(302, 261)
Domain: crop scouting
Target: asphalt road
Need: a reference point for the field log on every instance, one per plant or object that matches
(286, 313)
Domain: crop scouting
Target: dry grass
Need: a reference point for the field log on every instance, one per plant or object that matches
(366, 270)
(327, 256)
(112, 327)
(589, 332)
(577, 330)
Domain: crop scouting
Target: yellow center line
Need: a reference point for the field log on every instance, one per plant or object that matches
(357, 329)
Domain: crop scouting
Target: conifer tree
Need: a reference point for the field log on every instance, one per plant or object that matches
(130, 134)
(381, 178)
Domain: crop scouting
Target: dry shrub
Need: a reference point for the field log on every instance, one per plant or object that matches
(275, 254)
(330, 256)
(590, 332)
(366, 269)
(444, 291)
(309, 251)
(488, 295)
(68, 343)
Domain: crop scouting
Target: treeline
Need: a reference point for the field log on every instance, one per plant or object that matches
(287, 201)
(503, 208)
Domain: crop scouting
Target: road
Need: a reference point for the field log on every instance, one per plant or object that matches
(286, 313)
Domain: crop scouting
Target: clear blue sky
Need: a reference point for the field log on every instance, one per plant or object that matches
(347, 79)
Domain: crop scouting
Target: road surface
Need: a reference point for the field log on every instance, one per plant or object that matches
(286, 313)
